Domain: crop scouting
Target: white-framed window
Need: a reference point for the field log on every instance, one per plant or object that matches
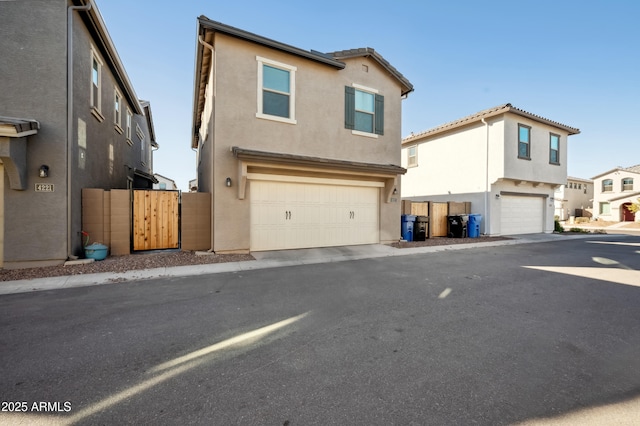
(364, 111)
(276, 91)
(605, 208)
(607, 185)
(627, 184)
(412, 156)
(95, 97)
(143, 154)
(128, 123)
(117, 110)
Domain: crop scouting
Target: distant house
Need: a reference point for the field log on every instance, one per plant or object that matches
(506, 161)
(614, 191)
(297, 148)
(574, 198)
(70, 119)
(164, 182)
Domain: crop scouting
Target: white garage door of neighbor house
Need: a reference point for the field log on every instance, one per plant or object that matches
(286, 215)
(522, 215)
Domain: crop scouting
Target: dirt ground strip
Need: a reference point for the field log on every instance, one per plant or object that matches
(181, 258)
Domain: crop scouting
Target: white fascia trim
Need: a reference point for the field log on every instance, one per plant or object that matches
(365, 88)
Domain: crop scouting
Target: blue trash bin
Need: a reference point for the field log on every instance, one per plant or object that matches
(473, 227)
(406, 227)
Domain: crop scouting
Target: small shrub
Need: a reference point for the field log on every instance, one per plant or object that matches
(557, 227)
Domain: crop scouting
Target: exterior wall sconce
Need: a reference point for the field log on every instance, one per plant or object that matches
(43, 171)
(228, 181)
(497, 195)
(395, 191)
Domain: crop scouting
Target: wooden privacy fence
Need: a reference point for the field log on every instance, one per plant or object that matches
(437, 213)
(147, 220)
(155, 220)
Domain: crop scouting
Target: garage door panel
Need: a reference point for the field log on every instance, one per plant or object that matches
(522, 215)
(295, 215)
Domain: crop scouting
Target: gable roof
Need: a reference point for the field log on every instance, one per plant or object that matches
(491, 112)
(633, 169)
(207, 27)
(368, 52)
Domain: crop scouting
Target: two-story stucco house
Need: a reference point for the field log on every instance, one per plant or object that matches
(574, 198)
(297, 148)
(507, 162)
(69, 119)
(614, 191)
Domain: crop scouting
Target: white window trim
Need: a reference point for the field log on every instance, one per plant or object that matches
(96, 104)
(415, 156)
(128, 123)
(362, 88)
(143, 152)
(117, 114)
(292, 87)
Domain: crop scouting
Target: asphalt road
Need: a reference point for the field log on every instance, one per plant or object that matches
(491, 336)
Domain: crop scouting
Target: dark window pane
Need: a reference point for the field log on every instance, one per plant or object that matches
(364, 122)
(275, 104)
(523, 150)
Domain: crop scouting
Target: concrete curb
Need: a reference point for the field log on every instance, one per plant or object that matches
(265, 260)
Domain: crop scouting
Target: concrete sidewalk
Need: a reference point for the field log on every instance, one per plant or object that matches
(268, 259)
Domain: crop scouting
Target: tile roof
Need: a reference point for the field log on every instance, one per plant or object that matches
(490, 112)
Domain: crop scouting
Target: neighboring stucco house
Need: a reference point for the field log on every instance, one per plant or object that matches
(573, 198)
(614, 191)
(297, 148)
(164, 183)
(507, 162)
(70, 119)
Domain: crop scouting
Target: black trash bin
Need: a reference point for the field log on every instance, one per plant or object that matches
(420, 228)
(457, 226)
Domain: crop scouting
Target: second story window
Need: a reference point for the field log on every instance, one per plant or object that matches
(128, 125)
(607, 185)
(412, 156)
(627, 184)
(364, 110)
(524, 141)
(276, 91)
(117, 111)
(143, 154)
(554, 150)
(95, 97)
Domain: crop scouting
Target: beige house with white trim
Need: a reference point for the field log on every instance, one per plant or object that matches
(297, 148)
(506, 161)
(614, 191)
(575, 196)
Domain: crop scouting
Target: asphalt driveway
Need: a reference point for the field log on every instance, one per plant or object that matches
(492, 335)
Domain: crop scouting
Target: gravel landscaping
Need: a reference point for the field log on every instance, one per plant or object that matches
(181, 258)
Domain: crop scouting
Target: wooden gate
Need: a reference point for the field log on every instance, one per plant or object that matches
(155, 219)
(438, 220)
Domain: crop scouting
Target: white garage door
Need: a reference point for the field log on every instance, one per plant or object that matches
(522, 215)
(287, 215)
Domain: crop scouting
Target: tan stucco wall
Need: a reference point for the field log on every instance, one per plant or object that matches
(319, 132)
(538, 168)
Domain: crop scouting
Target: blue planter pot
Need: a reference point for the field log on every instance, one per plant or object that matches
(96, 251)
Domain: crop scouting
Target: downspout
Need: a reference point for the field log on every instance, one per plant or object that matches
(70, 10)
(213, 52)
(487, 220)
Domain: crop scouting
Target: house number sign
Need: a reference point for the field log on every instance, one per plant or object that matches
(44, 187)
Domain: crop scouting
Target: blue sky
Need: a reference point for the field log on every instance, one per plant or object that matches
(570, 61)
